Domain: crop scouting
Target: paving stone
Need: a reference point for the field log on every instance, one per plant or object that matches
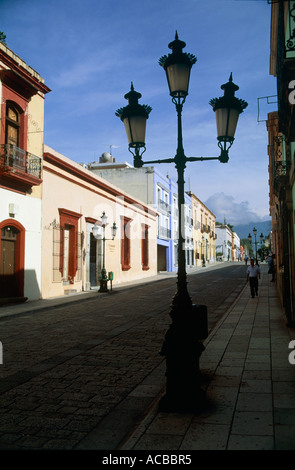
(284, 416)
(170, 423)
(152, 441)
(254, 402)
(259, 423)
(256, 386)
(285, 437)
(202, 436)
(240, 442)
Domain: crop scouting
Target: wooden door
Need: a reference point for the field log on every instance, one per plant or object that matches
(8, 274)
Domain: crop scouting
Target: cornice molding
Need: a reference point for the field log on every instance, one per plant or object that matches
(15, 68)
(87, 177)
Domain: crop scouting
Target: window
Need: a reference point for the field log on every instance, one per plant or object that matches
(68, 229)
(69, 245)
(158, 195)
(145, 247)
(12, 125)
(125, 243)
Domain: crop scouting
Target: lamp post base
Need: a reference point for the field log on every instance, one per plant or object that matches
(182, 348)
(190, 403)
(103, 285)
(103, 281)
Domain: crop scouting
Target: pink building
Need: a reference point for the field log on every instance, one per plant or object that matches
(73, 202)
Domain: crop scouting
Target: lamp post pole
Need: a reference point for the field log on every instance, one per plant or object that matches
(182, 346)
(255, 242)
(103, 277)
(182, 293)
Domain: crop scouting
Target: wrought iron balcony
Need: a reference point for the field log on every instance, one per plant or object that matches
(281, 175)
(20, 165)
(164, 232)
(281, 168)
(164, 206)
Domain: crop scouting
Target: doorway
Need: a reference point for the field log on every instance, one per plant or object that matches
(95, 259)
(12, 257)
(162, 258)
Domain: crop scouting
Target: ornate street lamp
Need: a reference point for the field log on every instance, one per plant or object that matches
(134, 117)
(100, 234)
(227, 110)
(182, 346)
(255, 233)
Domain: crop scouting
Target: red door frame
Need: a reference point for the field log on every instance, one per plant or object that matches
(20, 253)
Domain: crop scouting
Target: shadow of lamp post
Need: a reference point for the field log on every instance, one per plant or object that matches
(98, 232)
(182, 345)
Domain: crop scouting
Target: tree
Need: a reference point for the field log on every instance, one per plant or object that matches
(246, 244)
(2, 37)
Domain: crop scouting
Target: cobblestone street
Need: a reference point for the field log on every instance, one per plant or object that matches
(94, 364)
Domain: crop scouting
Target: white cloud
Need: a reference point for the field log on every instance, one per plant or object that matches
(226, 208)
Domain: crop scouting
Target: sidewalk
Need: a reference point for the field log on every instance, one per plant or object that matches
(250, 385)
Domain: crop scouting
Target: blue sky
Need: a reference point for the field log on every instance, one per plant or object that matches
(89, 51)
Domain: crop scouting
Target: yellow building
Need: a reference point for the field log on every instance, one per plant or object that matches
(204, 232)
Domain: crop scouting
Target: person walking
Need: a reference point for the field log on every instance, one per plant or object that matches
(253, 273)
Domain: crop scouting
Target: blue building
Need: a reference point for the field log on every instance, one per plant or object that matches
(150, 186)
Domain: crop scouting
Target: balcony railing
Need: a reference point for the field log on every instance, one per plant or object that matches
(164, 232)
(15, 159)
(164, 206)
(189, 220)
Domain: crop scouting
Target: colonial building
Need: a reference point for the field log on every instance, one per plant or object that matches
(204, 235)
(158, 191)
(281, 148)
(51, 207)
(224, 242)
(22, 93)
(74, 200)
(236, 249)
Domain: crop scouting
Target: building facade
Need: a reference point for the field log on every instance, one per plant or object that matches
(22, 93)
(158, 191)
(236, 249)
(224, 242)
(204, 234)
(74, 200)
(281, 148)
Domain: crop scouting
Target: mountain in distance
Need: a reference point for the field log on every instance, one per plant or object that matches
(243, 230)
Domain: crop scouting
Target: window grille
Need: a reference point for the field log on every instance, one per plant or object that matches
(56, 253)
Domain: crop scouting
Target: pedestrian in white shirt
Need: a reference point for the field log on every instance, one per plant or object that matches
(253, 273)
